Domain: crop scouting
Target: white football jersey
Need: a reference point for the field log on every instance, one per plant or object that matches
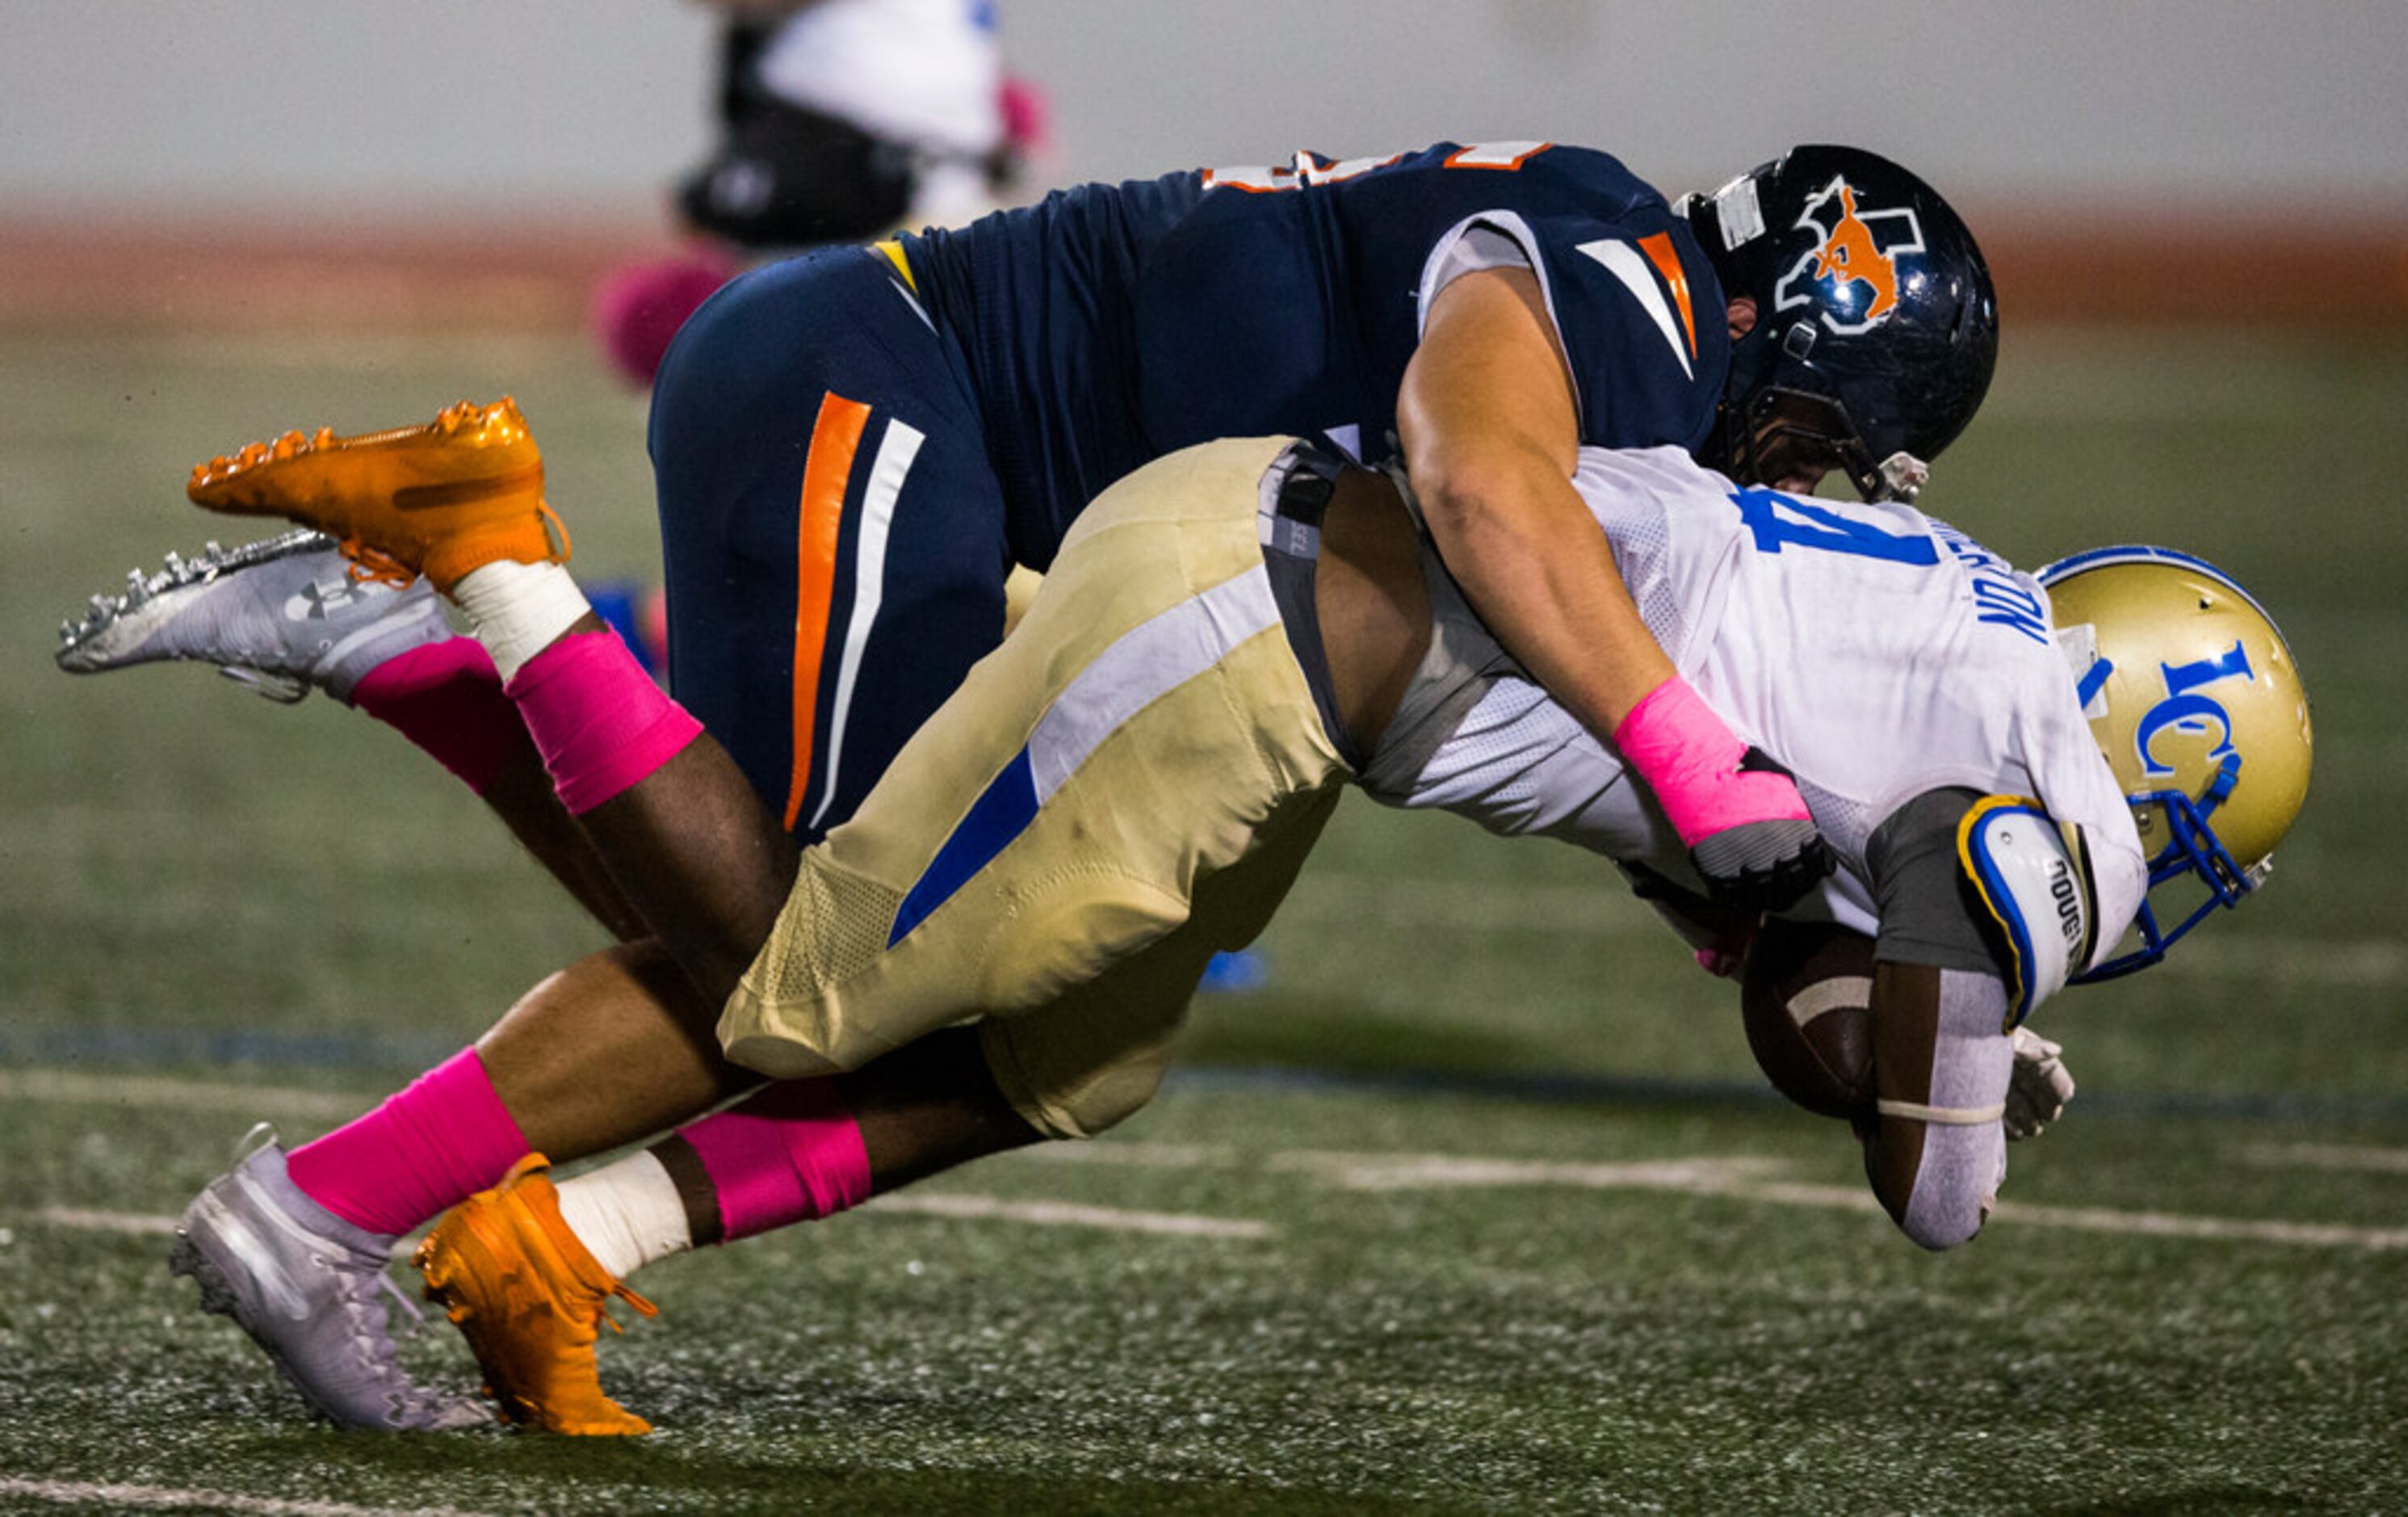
(1876, 652)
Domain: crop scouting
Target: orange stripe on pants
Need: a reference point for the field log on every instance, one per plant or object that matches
(836, 436)
(1659, 251)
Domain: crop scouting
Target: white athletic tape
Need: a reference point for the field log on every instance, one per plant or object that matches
(1840, 991)
(518, 609)
(1943, 1115)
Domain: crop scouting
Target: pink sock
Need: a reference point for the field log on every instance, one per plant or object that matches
(446, 698)
(597, 718)
(789, 1154)
(438, 1142)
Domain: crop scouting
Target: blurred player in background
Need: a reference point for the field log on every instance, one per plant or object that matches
(1228, 638)
(839, 120)
(852, 448)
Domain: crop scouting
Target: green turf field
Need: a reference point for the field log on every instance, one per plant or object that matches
(1476, 1206)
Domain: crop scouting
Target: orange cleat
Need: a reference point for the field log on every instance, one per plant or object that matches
(529, 1298)
(455, 494)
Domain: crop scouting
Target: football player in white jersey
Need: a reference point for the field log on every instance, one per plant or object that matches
(999, 946)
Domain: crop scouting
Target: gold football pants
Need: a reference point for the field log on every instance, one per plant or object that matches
(1129, 785)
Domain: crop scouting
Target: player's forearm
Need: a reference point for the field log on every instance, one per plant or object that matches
(1540, 575)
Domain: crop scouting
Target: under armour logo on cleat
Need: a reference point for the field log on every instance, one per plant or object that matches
(317, 601)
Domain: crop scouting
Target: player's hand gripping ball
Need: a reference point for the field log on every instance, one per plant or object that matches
(1806, 998)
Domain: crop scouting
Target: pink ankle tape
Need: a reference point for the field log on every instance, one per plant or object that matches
(433, 1145)
(1690, 761)
(446, 698)
(597, 718)
(789, 1154)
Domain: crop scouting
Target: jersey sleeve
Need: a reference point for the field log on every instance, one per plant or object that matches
(1641, 319)
(1626, 299)
(1929, 913)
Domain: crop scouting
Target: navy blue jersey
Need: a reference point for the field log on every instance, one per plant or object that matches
(1110, 324)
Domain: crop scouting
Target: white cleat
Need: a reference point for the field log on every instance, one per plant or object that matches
(282, 615)
(308, 1287)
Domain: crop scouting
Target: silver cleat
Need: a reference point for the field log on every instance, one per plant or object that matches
(309, 1288)
(282, 615)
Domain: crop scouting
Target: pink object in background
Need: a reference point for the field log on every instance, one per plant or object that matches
(1027, 116)
(640, 306)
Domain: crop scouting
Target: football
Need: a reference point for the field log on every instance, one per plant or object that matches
(1805, 995)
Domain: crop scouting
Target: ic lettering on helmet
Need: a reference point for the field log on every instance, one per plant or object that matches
(1854, 262)
(2184, 710)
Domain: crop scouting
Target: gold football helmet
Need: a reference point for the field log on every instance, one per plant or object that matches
(2194, 697)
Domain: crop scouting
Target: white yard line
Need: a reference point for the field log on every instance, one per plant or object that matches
(964, 1207)
(2328, 1156)
(1067, 1214)
(82, 1219)
(2166, 1224)
(1423, 1172)
(192, 1095)
(183, 1498)
(1739, 1176)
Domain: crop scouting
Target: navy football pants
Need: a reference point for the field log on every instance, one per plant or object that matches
(832, 531)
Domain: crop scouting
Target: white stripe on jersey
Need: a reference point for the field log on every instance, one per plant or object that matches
(895, 451)
(1624, 263)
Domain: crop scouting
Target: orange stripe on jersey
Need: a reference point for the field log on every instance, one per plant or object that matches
(836, 436)
(1658, 250)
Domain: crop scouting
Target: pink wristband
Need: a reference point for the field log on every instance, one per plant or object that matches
(1690, 761)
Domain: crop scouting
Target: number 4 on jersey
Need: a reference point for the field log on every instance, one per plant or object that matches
(1778, 520)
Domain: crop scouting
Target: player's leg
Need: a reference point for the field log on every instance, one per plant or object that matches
(453, 497)
(877, 637)
(530, 1267)
(998, 868)
(286, 616)
(579, 693)
(527, 1269)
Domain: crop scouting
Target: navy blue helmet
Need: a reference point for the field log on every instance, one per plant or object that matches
(1876, 327)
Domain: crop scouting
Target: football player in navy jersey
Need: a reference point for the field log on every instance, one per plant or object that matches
(1482, 311)
(853, 449)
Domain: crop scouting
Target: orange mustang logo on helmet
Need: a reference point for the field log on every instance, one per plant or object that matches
(1852, 266)
(1848, 254)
